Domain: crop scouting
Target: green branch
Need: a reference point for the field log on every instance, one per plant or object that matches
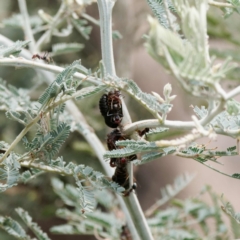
(220, 4)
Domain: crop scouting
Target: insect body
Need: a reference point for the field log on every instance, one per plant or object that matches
(125, 234)
(120, 175)
(110, 106)
(143, 132)
(134, 187)
(45, 57)
(112, 138)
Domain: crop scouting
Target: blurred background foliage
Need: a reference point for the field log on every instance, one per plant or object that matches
(38, 198)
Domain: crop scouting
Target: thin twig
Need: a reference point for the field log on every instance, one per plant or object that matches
(233, 93)
(87, 133)
(220, 4)
(26, 24)
(136, 213)
(21, 62)
(168, 15)
(90, 19)
(45, 38)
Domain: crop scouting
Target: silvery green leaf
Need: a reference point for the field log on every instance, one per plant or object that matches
(88, 91)
(32, 225)
(13, 228)
(64, 48)
(14, 49)
(9, 172)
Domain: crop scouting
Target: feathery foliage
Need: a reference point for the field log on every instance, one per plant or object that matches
(63, 83)
(15, 99)
(16, 21)
(103, 224)
(194, 211)
(89, 91)
(156, 131)
(64, 48)
(180, 44)
(13, 228)
(228, 209)
(81, 197)
(9, 172)
(32, 225)
(82, 27)
(159, 11)
(170, 191)
(14, 49)
(28, 175)
(47, 145)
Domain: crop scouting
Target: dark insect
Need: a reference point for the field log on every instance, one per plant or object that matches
(2, 151)
(45, 57)
(127, 192)
(125, 233)
(143, 132)
(112, 137)
(114, 120)
(120, 175)
(110, 106)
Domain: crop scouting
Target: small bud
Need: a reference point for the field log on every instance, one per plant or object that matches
(167, 90)
(159, 98)
(172, 98)
(44, 16)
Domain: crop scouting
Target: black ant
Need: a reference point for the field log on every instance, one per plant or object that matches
(125, 233)
(143, 132)
(110, 106)
(127, 192)
(121, 176)
(45, 57)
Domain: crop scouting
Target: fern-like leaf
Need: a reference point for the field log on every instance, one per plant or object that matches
(55, 88)
(58, 137)
(107, 225)
(159, 11)
(156, 131)
(32, 225)
(82, 28)
(10, 172)
(228, 209)
(146, 99)
(30, 174)
(89, 91)
(64, 48)
(16, 21)
(14, 49)
(13, 228)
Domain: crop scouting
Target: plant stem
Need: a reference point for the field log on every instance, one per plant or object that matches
(220, 4)
(26, 24)
(45, 38)
(105, 12)
(19, 137)
(21, 62)
(84, 129)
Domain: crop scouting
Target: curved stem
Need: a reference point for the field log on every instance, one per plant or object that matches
(105, 12)
(26, 27)
(45, 38)
(19, 137)
(220, 4)
(84, 129)
(21, 62)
